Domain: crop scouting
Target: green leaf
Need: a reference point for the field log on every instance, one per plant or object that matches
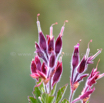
(41, 87)
(60, 93)
(37, 94)
(87, 101)
(53, 90)
(65, 101)
(46, 98)
(32, 100)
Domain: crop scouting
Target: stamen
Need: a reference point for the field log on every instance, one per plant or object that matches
(89, 43)
(66, 21)
(97, 63)
(54, 23)
(99, 51)
(80, 41)
(51, 30)
(37, 17)
(62, 29)
(88, 50)
(38, 24)
(60, 59)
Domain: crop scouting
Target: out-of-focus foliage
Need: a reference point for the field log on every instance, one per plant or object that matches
(18, 32)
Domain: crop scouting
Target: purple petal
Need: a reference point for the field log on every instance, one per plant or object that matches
(50, 45)
(81, 77)
(87, 94)
(39, 52)
(52, 60)
(58, 45)
(94, 56)
(82, 66)
(57, 74)
(33, 67)
(42, 41)
(44, 68)
(75, 57)
(38, 63)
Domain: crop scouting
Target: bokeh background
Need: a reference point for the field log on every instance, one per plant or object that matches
(18, 33)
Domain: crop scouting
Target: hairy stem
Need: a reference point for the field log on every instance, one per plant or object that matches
(71, 96)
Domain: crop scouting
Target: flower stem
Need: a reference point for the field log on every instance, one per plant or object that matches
(50, 85)
(45, 89)
(71, 96)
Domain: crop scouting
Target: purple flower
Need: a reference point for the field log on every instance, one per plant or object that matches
(84, 97)
(93, 77)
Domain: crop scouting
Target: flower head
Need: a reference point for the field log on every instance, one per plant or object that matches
(49, 51)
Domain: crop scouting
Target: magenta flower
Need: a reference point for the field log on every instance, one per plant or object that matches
(84, 96)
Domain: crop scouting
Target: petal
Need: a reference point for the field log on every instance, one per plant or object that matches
(50, 44)
(44, 68)
(42, 75)
(87, 94)
(75, 56)
(42, 41)
(39, 52)
(94, 56)
(57, 74)
(82, 66)
(81, 77)
(35, 75)
(58, 45)
(101, 75)
(52, 60)
(38, 63)
(33, 67)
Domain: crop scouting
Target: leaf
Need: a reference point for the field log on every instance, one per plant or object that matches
(87, 101)
(37, 94)
(65, 101)
(60, 93)
(32, 100)
(53, 90)
(46, 98)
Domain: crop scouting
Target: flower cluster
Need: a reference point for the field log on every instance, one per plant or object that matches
(79, 67)
(46, 69)
(88, 90)
(48, 50)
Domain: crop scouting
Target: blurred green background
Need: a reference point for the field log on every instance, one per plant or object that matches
(18, 33)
